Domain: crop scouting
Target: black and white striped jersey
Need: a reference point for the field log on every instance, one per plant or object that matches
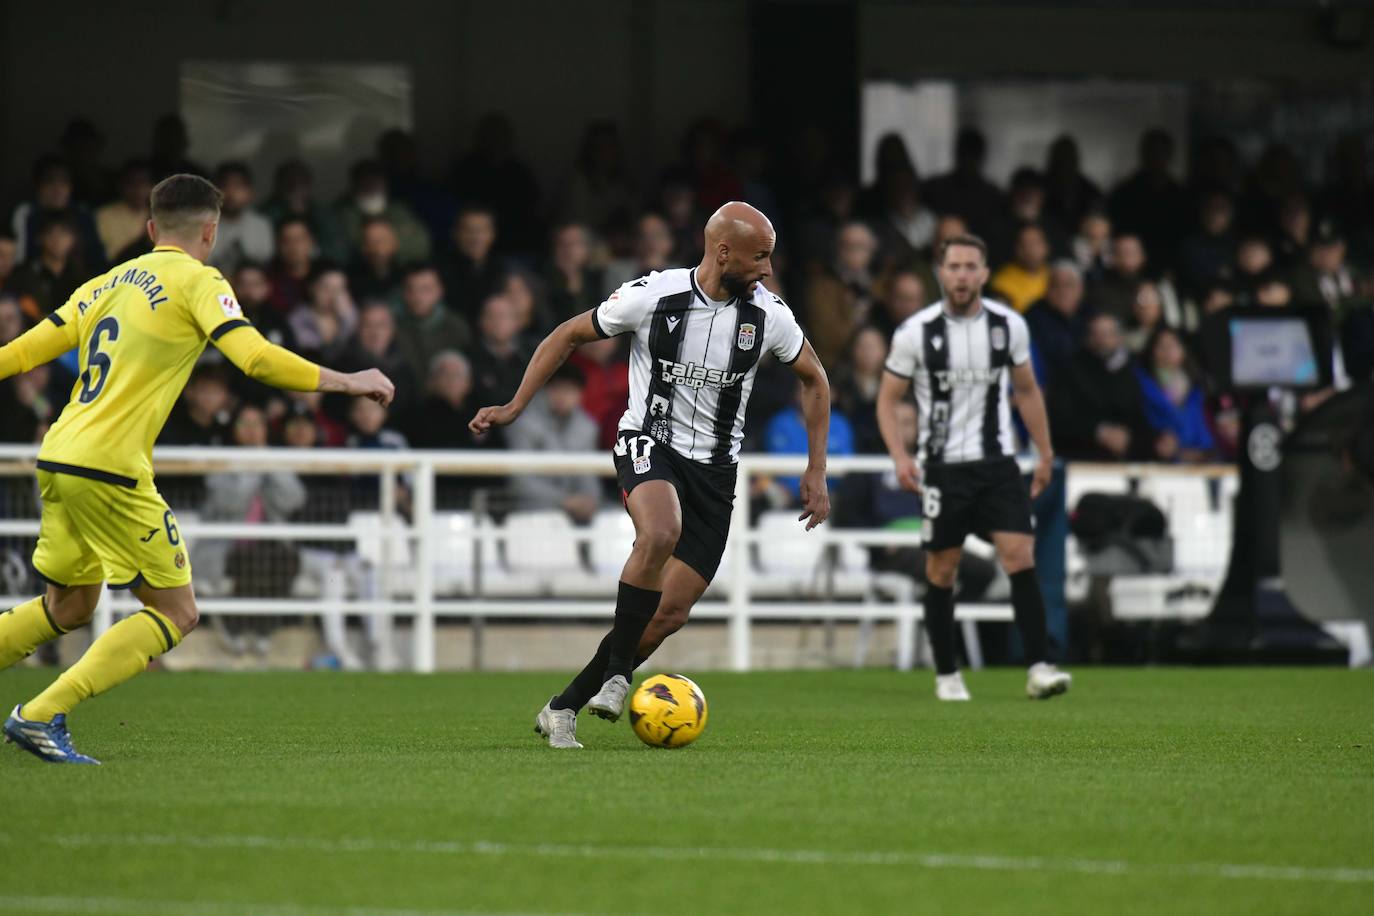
(692, 360)
(959, 370)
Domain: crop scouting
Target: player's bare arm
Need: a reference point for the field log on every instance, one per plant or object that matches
(551, 353)
(890, 393)
(1031, 405)
(816, 412)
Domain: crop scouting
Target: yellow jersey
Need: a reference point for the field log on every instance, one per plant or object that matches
(139, 330)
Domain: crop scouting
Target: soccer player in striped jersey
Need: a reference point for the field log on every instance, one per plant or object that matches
(698, 337)
(958, 355)
(139, 330)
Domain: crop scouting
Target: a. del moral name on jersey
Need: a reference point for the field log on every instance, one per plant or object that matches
(695, 376)
(145, 280)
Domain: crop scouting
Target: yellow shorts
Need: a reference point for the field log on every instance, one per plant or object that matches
(93, 531)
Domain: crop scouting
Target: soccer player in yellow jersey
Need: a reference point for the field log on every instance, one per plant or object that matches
(139, 329)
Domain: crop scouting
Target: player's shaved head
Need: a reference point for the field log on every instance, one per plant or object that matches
(737, 223)
(739, 246)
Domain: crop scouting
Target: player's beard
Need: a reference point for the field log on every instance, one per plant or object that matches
(735, 285)
(965, 305)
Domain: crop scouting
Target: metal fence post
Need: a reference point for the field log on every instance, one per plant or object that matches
(423, 522)
(740, 648)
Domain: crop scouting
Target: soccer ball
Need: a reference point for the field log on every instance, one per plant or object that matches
(668, 710)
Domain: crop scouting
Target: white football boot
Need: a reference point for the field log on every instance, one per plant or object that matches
(559, 726)
(950, 688)
(610, 699)
(1044, 680)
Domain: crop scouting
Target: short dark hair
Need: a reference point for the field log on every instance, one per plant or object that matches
(295, 220)
(967, 240)
(415, 268)
(234, 167)
(182, 200)
(570, 374)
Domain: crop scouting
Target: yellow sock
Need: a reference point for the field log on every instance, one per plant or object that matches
(24, 628)
(121, 653)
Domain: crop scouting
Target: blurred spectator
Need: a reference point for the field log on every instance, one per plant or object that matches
(258, 568)
(1357, 334)
(1215, 169)
(368, 196)
(376, 347)
(1025, 206)
(25, 407)
(426, 326)
(654, 250)
(964, 191)
(324, 323)
(555, 422)
(1254, 263)
(856, 388)
(1172, 390)
(170, 143)
(1151, 203)
(599, 192)
(1325, 277)
(369, 427)
(1056, 322)
(1295, 232)
(293, 197)
(677, 202)
(52, 199)
(574, 285)
(906, 227)
(244, 233)
(1096, 409)
(1206, 256)
(1026, 277)
(1069, 194)
(499, 359)
(1272, 291)
(442, 416)
(1271, 182)
(817, 228)
(840, 297)
(471, 270)
(712, 178)
(202, 415)
(83, 147)
(906, 294)
(1091, 246)
(752, 165)
(122, 224)
(785, 434)
(493, 176)
(329, 433)
(253, 289)
(400, 159)
(532, 310)
(9, 259)
(890, 157)
(293, 265)
(1114, 290)
(1147, 317)
(48, 278)
(606, 389)
(376, 272)
(1348, 197)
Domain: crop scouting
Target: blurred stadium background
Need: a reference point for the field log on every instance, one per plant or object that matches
(429, 187)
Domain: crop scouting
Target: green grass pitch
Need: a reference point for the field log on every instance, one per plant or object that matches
(1143, 791)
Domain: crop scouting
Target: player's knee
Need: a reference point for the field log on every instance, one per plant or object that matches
(186, 617)
(1017, 560)
(659, 540)
(941, 572)
(671, 617)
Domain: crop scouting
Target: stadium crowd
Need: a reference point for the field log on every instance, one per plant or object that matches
(448, 285)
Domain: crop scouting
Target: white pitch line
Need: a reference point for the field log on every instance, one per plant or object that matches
(888, 858)
(48, 904)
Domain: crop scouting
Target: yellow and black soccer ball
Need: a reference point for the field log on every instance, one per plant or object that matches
(668, 710)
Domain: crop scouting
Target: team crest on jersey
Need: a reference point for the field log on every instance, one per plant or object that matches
(746, 336)
(230, 306)
(999, 338)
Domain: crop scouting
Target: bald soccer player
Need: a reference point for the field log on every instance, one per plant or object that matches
(698, 335)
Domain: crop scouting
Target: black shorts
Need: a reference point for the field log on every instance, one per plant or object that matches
(973, 497)
(706, 493)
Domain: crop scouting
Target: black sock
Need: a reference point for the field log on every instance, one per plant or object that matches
(1028, 605)
(588, 681)
(634, 608)
(939, 605)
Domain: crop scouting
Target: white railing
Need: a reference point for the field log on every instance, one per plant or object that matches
(420, 601)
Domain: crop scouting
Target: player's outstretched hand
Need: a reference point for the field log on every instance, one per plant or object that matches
(371, 383)
(815, 497)
(488, 417)
(908, 474)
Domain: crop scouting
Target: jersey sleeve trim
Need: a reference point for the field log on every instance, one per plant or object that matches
(902, 375)
(596, 324)
(796, 356)
(228, 326)
(56, 319)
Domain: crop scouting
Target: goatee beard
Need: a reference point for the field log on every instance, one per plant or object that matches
(734, 285)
